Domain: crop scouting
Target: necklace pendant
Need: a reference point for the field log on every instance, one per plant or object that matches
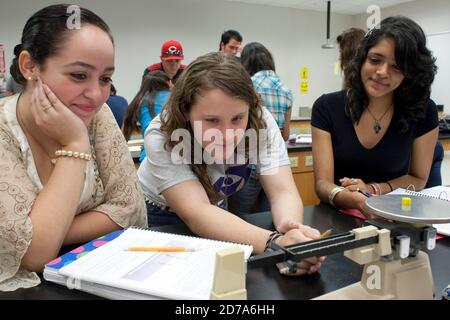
(377, 127)
(53, 161)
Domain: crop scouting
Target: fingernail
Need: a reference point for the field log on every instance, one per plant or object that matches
(284, 270)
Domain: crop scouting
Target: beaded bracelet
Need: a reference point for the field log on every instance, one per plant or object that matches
(272, 237)
(73, 154)
(376, 188)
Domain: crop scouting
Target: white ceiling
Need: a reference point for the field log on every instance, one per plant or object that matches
(337, 6)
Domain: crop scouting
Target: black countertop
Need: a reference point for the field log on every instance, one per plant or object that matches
(267, 283)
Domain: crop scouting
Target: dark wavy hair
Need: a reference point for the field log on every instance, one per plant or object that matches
(414, 61)
(256, 57)
(46, 31)
(152, 83)
(348, 42)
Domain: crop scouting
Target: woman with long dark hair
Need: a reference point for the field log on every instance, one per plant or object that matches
(378, 134)
(67, 176)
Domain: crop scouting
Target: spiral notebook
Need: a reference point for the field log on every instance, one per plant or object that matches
(439, 192)
(106, 268)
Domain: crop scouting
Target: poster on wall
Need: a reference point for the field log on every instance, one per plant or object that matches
(304, 74)
(2, 69)
(2, 59)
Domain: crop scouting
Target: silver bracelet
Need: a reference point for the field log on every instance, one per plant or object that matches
(333, 194)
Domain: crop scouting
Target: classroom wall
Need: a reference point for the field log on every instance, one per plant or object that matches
(432, 15)
(140, 27)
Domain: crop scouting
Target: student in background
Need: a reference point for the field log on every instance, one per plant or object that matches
(148, 103)
(12, 87)
(171, 57)
(230, 43)
(49, 197)
(117, 104)
(380, 133)
(348, 42)
(184, 176)
(277, 98)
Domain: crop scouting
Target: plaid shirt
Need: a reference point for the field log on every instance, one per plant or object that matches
(277, 98)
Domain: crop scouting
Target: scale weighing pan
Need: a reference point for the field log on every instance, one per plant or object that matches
(423, 210)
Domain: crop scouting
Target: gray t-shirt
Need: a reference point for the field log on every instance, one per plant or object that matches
(161, 170)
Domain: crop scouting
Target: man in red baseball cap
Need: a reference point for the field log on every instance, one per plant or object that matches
(171, 56)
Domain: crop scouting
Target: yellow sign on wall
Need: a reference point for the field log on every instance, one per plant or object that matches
(337, 68)
(304, 73)
(304, 87)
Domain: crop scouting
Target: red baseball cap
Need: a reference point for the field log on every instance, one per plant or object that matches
(171, 50)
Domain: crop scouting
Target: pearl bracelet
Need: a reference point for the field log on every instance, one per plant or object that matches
(73, 154)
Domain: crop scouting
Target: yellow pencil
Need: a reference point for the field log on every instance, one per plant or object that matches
(326, 233)
(160, 249)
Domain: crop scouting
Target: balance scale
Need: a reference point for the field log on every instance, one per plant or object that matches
(389, 249)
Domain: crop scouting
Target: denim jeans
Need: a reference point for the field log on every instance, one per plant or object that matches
(435, 177)
(161, 217)
(250, 197)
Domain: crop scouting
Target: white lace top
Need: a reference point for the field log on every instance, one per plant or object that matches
(110, 187)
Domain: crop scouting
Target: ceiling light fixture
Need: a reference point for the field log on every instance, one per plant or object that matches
(329, 44)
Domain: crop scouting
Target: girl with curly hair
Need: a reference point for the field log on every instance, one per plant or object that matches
(379, 134)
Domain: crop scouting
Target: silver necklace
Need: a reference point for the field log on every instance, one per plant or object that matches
(377, 127)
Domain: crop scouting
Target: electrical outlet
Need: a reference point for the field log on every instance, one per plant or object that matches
(294, 161)
(308, 161)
